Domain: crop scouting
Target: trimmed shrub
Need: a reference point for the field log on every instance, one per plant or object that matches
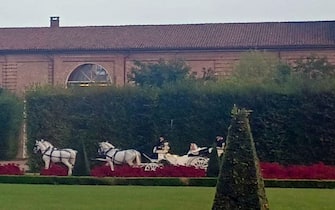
(240, 184)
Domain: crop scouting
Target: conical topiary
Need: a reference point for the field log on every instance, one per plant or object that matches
(240, 185)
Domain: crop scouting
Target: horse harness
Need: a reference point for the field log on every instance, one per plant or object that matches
(55, 149)
(114, 155)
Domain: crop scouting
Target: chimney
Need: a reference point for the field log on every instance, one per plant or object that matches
(54, 22)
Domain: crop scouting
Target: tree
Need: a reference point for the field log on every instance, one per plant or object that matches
(313, 67)
(256, 67)
(158, 74)
(240, 185)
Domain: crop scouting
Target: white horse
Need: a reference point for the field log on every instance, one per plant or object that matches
(50, 154)
(72, 151)
(115, 156)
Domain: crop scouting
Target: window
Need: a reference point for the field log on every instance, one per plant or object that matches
(89, 75)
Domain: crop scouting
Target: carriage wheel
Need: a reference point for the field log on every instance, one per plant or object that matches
(151, 167)
(164, 162)
(199, 162)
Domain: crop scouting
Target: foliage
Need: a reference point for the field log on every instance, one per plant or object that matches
(159, 74)
(135, 117)
(240, 184)
(286, 133)
(258, 68)
(209, 74)
(11, 118)
(264, 70)
(80, 120)
(313, 67)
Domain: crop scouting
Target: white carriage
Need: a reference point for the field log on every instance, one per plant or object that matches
(192, 159)
(176, 160)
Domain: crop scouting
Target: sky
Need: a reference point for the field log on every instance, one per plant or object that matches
(36, 13)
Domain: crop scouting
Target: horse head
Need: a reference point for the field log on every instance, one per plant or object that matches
(46, 143)
(104, 147)
(109, 145)
(38, 146)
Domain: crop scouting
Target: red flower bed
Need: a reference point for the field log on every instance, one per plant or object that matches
(166, 171)
(269, 171)
(11, 169)
(54, 170)
(315, 171)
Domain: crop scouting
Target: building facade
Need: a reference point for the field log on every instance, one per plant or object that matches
(83, 56)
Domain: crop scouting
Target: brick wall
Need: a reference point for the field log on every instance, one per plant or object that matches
(19, 72)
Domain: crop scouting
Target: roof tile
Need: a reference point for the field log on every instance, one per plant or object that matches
(160, 37)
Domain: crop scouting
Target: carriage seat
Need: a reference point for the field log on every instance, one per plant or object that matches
(198, 151)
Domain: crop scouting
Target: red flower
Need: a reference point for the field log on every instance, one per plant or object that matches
(166, 171)
(11, 169)
(55, 170)
(315, 171)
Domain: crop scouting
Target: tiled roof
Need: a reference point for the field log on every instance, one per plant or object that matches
(161, 37)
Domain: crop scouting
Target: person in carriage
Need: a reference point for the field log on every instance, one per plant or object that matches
(161, 147)
(220, 144)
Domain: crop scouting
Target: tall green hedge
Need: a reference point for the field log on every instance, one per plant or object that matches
(287, 127)
(11, 118)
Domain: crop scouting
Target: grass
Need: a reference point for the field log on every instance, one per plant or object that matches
(81, 197)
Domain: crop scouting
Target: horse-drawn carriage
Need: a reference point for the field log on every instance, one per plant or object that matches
(111, 155)
(133, 158)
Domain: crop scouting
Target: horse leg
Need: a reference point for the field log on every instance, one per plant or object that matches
(73, 157)
(69, 166)
(135, 159)
(138, 159)
(110, 163)
(130, 163)
(46, 163)
(130, 160)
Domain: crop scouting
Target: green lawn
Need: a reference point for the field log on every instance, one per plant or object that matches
(34, 197)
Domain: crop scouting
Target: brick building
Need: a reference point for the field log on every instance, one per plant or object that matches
(104, 54)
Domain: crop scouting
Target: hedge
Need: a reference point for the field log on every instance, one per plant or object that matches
(288, 128)
(203, 182)
(11, 118)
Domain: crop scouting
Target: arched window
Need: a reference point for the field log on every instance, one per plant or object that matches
(89, 75)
